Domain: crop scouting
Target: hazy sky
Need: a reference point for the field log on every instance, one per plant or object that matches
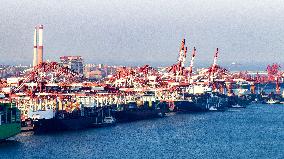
(147, 31)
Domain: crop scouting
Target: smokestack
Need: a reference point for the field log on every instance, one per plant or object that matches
(35, 48)
(215, 57)
(40, 46)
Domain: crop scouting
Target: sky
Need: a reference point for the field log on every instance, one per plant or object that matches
(247, 32)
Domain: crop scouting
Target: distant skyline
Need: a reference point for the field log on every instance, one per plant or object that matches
(144, 31)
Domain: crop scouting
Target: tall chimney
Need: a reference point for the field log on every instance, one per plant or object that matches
(40, 46)
(35, 48)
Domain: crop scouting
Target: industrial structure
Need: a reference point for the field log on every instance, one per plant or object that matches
(75, 63)
(38, 45)
(57, 91)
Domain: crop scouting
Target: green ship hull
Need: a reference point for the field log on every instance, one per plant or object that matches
(10, 124)
(9, 130)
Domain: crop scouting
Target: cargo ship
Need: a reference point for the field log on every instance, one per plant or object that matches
(217, 102)
(62, 120)
(192, 103)
(144, 107)
(9, 121)
(238, 101)
(200, 98)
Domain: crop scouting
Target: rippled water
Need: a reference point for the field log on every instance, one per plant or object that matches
(254, 132)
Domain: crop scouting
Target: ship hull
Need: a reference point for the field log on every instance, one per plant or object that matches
(237, 102)
(136, 114)
(202, 103)
(9, 121)
(190, 106)
(9, 130)
(47, 125)
(90, 118)
(132, 112)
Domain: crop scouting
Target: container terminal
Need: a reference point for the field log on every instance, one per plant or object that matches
(53, 97)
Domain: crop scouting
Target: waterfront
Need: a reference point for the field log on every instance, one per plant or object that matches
(254, 132)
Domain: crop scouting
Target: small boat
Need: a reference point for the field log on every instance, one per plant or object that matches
(212, 108)
(238, 106)
(108, 121)
(273, 101)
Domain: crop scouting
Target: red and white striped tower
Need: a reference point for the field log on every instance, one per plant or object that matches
(40, 45)
(182, 53)
(213, 68)
(35, 48)
(215, 58)
(192, 62)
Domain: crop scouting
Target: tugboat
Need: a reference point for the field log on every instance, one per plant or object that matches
(10, 122)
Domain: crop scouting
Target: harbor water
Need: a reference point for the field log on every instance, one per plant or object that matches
(254, 132)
